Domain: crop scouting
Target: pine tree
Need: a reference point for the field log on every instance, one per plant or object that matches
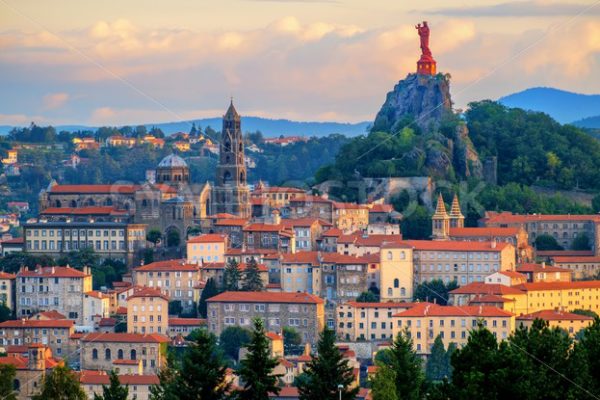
(8, 373)
(437, 362)
(201, 375)
(407, 367)
(232, 276)
(383, 385)
(252, 280)
(61, 384)
(210, 290)
(590, 345)
(114, 391)
(257, 368)
(326, 371)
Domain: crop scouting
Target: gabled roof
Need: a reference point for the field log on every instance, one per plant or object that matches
(102, 378)
(38, 323)
(484, 232)
(147, 292)
(304, 222)
(435, 310)
(53, 272)
(231, 222)
(301, 257)
(208, 238)
(124, 338)
(576, 259)
(6, 275)
(333, 232)
(555, 315)
(381, 208)
(512, 274)
(167, 265)
(523, 268)
(449, 245)
(266, 297)
(486, 288)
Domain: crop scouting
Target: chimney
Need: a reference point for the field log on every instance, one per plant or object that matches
(426, 309)
(276, 217)
(493, 244)
(543, 264)
(53, 270)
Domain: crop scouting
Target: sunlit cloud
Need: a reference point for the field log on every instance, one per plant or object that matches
(53, 101)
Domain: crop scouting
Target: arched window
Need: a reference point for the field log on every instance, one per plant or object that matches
(227, 176)
(227, 159)
(390, 292)
(108, 201)
(227, 145)
(144, 203)
(90, 202)
(120, 354)
(107, 354)
(73, 204)
(241, 177)
(402, 255)
(241, 147)
(389, 255)
(17, 385)
(402, 292)
(94, 354)
(396, 283)
(58, 203)
(133, 354)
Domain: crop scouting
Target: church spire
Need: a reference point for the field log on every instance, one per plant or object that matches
(457, 219)
(440, 222)
(440, 209)
(231, 113)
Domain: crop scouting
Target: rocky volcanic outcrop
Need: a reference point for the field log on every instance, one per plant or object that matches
(424, 102)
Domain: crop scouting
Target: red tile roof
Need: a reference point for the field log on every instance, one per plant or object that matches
(125, 337)
(333, 232)
(6, 275)
(345, 258)
(38, 323)
(381, 208)
(555, 315)
(51, 314)
(484, 232)
(208, 238)
(122, 310)
(361, 239)
(577, 259)
(96, 294)
(83, 211)
(489, 298)
(564, 253)
(231, 222)
(507, 217)
(241, 266)
(513, 274)
(18, 240)
(107, 322)
(486, 288)
(301, 257)
(266, 297)
(523, 268)
(102, 378)
(273, 336)
(147, 292)
(304, 222)
(52, 272)
(383, 304)
(100, 189)
(187, 321)
(126, 362)
(18, 361)
(449, 245)
(559, 285)
(435, 310)
(167, 265)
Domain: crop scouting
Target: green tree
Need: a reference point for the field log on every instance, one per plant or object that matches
(547, 242)
(252, 281)
(85, 257)
(325, 371)
(232, 276)
(435, 291)
(257, 367)
(367, 297)
(417, 224)
(154, 235)
(407, 367)
(61, 384)
(5, 312)
(589, 344)
(8, 373)
(173, 238)
(581, 242)
(167, 386)
(175, 307)
(114, 391)
(210, 290)
(203, 373)
(232, 339)
(383, 385)
(292, 341)
(437, 363)
(596, 203)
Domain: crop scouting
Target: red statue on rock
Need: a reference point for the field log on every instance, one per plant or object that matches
(426, 64)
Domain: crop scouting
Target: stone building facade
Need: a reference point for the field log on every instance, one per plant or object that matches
(51, 333)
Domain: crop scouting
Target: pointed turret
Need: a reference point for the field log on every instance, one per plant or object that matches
(231, 113)
(457, 219)
(440, 222)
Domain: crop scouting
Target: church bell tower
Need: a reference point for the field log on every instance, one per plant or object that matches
(231, 193)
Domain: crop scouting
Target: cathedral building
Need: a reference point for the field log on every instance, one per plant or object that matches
(173, 204)
(231, 194)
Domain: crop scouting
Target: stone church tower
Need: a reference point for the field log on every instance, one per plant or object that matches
(457, 219)
(440, 221)
(231, 194)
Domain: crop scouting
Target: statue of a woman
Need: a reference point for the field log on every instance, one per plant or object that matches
(423, 31)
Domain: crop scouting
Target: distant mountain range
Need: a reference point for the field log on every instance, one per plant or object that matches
(269, 127)
(566, 107)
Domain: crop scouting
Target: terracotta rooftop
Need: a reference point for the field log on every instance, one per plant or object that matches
(273, 336)
(449, 245)
(435, 310)
(51, 314)
(301, 257)
(484, 232)
(208, 238)
(241, 266)
(125, 337)
(507, 217)
(523, 268)
(304, 222)
(231, 222)
(513, 274)
(187, 321)
(266, 297)
(381, 208)
(6, 275)
(383, 304)
(486, 288)
(99, 189)
(102, 378)
(489, 298)
(168, 265)
(38, 323)
(576, 259)
(555, 315)
(559, 285)
(148, 292)
(107, 322)
(83, 211)
(333, 232)
(52, 272)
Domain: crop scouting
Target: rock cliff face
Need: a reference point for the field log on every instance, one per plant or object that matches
(424, 101)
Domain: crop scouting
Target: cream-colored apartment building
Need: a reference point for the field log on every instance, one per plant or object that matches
(95, 304)
(177, 279)
(138, 385)
(396, 276)
(207, 248)
(53, 288)
(368, 321)
(463, 262)
(148, 312)
(6, 289)
(424, 322)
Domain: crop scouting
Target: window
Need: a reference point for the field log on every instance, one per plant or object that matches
(396, 283)
(107, 354)
(120, 354)
(133, 354)
(94, 354)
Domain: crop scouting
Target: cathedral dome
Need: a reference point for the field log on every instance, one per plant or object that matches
(172, 160)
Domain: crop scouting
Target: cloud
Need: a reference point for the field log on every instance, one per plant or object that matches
(518, 9)
(285, 69)
(53, 101)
